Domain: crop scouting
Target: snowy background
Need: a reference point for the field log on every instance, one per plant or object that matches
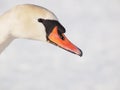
(93, 25)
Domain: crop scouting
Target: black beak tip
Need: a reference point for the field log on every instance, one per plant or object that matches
(81, 53)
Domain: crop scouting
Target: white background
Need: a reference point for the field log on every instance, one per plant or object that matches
(93, 25)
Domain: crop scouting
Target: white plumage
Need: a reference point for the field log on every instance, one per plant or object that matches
(21, 22)
(33, 22)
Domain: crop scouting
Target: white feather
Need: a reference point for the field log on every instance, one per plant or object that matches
(21, 22)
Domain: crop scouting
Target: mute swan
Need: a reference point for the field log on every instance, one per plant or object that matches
(33, 22)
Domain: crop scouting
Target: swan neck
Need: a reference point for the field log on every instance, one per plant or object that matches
(5, 42)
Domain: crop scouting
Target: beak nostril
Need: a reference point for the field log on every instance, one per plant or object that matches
(62, 37)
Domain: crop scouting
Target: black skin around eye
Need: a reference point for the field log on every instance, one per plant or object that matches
(50, 24)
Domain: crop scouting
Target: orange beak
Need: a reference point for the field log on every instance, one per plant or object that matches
(64, 43)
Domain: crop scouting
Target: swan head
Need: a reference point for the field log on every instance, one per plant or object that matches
(37, 23)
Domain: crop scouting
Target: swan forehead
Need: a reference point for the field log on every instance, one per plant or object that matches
(34, 11)
(25, 18)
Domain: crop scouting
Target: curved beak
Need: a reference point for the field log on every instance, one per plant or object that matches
(63, 42)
